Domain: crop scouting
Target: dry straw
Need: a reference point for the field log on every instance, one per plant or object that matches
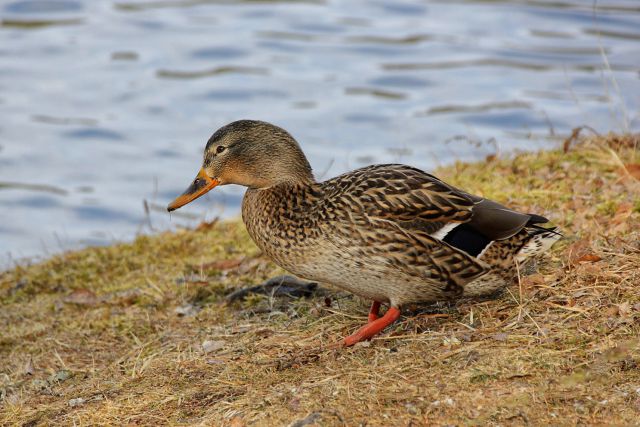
(140, 333)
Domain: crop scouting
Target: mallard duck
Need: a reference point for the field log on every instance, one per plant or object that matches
(390, 233)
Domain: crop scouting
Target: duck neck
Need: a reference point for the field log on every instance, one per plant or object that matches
(287, 196)
(287, 191)
(299, 174)
(274, 179)
(269, 212)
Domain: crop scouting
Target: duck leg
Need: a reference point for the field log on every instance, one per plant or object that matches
(373, 313)
(373, 327)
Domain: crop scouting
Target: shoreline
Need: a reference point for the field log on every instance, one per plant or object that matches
(140, 332)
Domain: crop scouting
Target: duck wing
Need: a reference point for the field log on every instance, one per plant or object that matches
(418, 200)
(401, 193)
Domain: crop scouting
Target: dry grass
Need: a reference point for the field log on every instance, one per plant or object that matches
(93, 337)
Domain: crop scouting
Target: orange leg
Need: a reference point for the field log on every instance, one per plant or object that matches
(372, 328)
(373, 313)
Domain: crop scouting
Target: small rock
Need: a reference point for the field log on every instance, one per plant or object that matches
(186, 310)
(213, 345)
(76, 402)
(60, 376)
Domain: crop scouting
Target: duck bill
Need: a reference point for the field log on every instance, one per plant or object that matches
(200, 186)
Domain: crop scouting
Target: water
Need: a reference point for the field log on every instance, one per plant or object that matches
(105, 106)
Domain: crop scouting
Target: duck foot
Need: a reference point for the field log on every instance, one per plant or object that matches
(374, 326)
(374, 312)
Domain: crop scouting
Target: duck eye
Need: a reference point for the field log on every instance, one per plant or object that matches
(220, 149)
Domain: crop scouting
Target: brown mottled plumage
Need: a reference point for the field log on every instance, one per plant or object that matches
(390, 233)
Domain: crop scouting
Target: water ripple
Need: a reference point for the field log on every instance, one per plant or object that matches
(216, 71)
(490, 106)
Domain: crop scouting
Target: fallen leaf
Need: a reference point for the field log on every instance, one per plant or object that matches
(533, 280)
(28, 367)
(589, 258)
(82, 297)
(589, 268)
(237, 422)
(622, 213)
(611, 311)
(225, 264)
(577, 249)
(624, 309)
(633, 169)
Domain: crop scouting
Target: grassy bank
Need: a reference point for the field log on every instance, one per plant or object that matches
(140, 333)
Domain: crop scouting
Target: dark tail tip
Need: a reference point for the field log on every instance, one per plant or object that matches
(536, 219)
(540, 230)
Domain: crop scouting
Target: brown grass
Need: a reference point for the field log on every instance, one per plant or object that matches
(93, 337)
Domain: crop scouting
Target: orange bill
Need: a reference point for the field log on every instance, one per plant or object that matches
(201, 185)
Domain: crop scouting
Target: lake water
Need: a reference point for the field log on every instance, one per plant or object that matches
(105, 106)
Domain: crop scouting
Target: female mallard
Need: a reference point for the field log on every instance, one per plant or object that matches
(391, 233)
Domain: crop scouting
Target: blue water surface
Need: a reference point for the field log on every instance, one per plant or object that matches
(105, 106)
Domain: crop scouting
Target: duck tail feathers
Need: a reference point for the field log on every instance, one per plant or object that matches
(541, 240)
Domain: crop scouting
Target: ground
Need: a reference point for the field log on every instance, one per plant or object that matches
(141, 333)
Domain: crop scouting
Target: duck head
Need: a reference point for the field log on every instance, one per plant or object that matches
(251, 153)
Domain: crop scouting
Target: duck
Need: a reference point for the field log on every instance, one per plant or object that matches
(390, 233)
